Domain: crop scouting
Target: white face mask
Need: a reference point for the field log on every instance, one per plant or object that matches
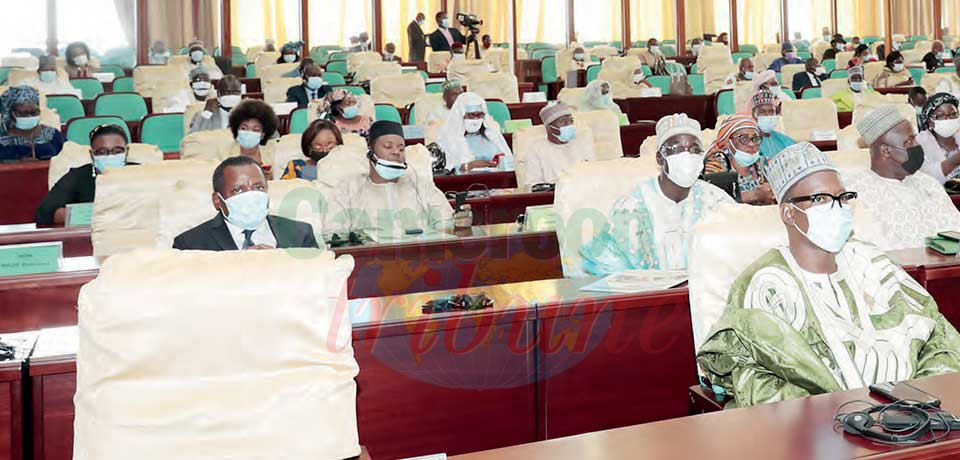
(857, 86)
(80, 60)
(196, 56)
(638, 77)
(445, 23)
(472, 125)
(684, 168)
(696, 49)
(387, 56)
(654, 49)
(201, 88)
(230, 101)
(828, 226)
(821, 70)
(748, 75)
(578, 56)
(898, 67)
(946, 128)
(289, 57)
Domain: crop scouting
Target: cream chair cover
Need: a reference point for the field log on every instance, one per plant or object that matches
(564, 59)
(714, 59)
(523, 138)
(367, 107)
(274, 71)
(264, 59)
(188, 114)
(849, 160)
(585, 193)
(772, 48)
(923, 45)
(763, 60)
(18, 77)
(788, 71)
(648, 149)
(275, 90)
(715, 77)
(398, 90)
(49, 117)
(620, 78)
(356, 60)
(871, 70)
(849, 138)
(24, 62)
(930, 81)
(252, 52)
(819, 48)
(288, 148)
(802, 116)
(499, 59)
(74, 155)
(126, 209)
(207, 145)
(913, 56)
(621, 63)
(370, 70)
(572, 97)
(843, 59)
(742, 92)
(437, 61)
(182, 63)
(522, 54)
(605, 127)
(832, 85)
(603, 51)
(424, 106)
(496, 85)
(464, 69)
(159, 375)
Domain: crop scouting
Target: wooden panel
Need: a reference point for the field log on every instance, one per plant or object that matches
(54, 383)
(461, 182)
(11, 411)
(31, 302)
(22, 186)
(700, 108)
(527, 110)
(76, 240)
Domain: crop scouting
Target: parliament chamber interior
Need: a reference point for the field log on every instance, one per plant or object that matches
(479, 229)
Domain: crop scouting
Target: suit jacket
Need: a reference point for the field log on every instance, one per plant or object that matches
(418, 42)
(802, 80)
(439, 43)
(298, 94)
(213, 235)
(213, 123)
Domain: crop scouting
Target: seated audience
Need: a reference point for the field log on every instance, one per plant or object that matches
(799, 42)
(243, 221)
(561, 148)
(847, 99)
(905, 207)
(158, 54)
(108, 149)
(486, 43)
(452, 89)
(653, 58)
(253, 123)
(200, 86)
(894, 74)
(737, 148)
(811, 77)
(744, 72)
(393, 198)
(390, 53)
(343, 109)
(766, 110)
(78, 61)
(196, 60)
(313, 87)
(861, 57)
(789, 57)
(822, 314)
(290, 53)
(950, 84)
(47, 80)
(216, 113)
(21, 134)
(597, 96)
(446, 34)
(471, 141)
(723, 38)
(639, 80)
(696, 45)
(298, 72)
(940, 138)
(316, 143)
(917, 98)
(580, 59)
(934, 58)
(651, 227)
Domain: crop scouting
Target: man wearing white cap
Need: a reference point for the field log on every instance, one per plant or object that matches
(849, 98)
(822, 314)
(562, 147)
(651, 227)
(904, 206)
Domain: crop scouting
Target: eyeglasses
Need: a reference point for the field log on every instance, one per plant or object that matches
(114, 151)
(824, 198)
(31, 113)
(744, 139)
(668, 150)
(951, 116)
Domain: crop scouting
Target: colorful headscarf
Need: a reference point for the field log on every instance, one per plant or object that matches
(292, 46)
(933, 103)
(335, 98)
(13, 97)
(727, 129)
(763, 96)
(855, 70)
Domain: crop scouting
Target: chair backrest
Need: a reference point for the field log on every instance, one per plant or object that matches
(124, 85)
(355, 60)
(592, 72)
(298, 121)
(207, 145)
(831, 86)
(74, 155)
(716, 77)
(788, 71)
(353, 89)
(424, 107)
(496, 85)
(811, 93)
(605, 126)
(839, 74)
(78, 129)
(696, 82)
(829, 65)
(662, 82)
(806, 115)
(945, 70)
(463, 69)
(128, 106)
(572, 97)
(165, 130)
(388, 112)
(274, 71)
(399, 90)
(542, 53)
(843, 59)
(265, 58)
(370, 70)
(725, 104)
(736, 57)
(871, 70)
(437, 61)
(275, 90)
(339, 67)
(116, 70)
(434, 88)
(250, 70)
(67, 106)
(499, 59)
(752, 50)
(334, 79)
(89, 87)
(930, 81)
(499, 111)
(548, 69)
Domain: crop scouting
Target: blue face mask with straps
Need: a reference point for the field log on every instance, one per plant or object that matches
(567, 133)
(26, 123)
(104, 162)
(745, 159)
(247, 210)
(388, 170)
(351, 112)
(248, 139)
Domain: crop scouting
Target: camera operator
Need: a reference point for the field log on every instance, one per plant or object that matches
(445, 36)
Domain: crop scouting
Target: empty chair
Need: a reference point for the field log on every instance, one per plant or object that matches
(128, 106)
(116, 70)
(334, 79)
(298, 121)
(725, 103)
(339, 67)
(165, 130)
(89, 87)
(388, 112)
(67, 106)
(124, 85)
(499, 111)
(78, 129)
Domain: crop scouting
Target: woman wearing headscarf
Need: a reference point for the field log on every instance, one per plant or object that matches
(766, 110)
(343, 109)
(471, 140)
(78, 61)
(290, 52)
(939, 137)
(737, 148)
(598, 96)
(894, 74)
(21, 134)
(316, 143)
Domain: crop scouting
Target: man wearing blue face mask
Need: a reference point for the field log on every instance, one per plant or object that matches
(197, 54)
(766, 110)
(21, 134)
(446, 34)
(108, 149)
(243, 221)
(823, 313)
(313, 87)
(561, 148)
(48, 82)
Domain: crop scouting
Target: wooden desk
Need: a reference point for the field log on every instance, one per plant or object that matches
(76, 240)
(12, 411)
(633, 135)
(526, 110)
(797, 429)
(22, 185)
(939, 277)
(506, 206)
(30, 302)
(528, 70)
(462, 182)
(700, 108)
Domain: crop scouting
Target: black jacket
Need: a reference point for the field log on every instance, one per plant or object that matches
(932, 61)
(417, 40)
(213, 235)
(298, 94)
(78, 185)
(439, 43)
(802, 80)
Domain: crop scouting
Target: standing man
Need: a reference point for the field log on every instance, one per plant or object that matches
(446, 35)
(417, 39)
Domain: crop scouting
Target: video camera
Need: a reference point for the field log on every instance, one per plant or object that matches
(469, 21)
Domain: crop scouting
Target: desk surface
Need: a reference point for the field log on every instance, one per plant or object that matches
(797, 429)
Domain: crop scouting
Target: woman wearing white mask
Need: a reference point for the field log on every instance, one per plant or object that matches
(651, 227)
(737, 148)
(765, 108)
(253, 124)
(289, 53)
(21, 134)
(939, 137)
(343, 109)
(471, 140)
(79, 64)
(216, 113)
(598, 96)
(895, 74)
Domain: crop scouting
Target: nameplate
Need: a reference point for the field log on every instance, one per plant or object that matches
(79, 214)
(283, 108)
(104, 77)
(541, 218)
(413, 132)
(512, 126)
(623, 120)
(538, 96)
(28, 259)
(429, 457)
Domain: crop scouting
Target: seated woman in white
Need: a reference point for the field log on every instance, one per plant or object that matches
(471, 140)
(598, 96)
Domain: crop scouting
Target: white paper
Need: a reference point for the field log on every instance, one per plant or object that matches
(104, 77)
(57, 341)
(636, 281)
(535, 97)
(284, 108)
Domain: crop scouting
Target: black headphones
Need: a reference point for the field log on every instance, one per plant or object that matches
(861, 423)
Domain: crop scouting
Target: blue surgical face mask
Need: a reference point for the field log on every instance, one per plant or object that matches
(289, 57)
(767, 123)
(247, 210)
(351, 112)
(389, 170)
(26, 123)
(248, 139)
(745, 159)
(48, 76)
(196, 56)
(104, 162)
(857, 86)
(566, 133)
(445, 23)
(314, 83)
(607, 99)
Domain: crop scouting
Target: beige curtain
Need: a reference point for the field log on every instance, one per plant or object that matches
(951, 17)
(809, 17)
(653, 19)
(860, 17)
(759, 21)
(913, 17)
(127, 16)
(701, 18)
(171, 21)
(254, 21)
(542, 21)
(333, 22)
(495, 15)
(597, 20)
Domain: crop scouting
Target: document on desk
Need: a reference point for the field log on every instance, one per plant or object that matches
(635, 281)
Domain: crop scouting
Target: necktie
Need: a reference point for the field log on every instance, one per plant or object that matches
(247, 239)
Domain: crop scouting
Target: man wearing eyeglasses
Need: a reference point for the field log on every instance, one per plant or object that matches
(650, 228)
(904, 205)
(108, 149)
(823, 313)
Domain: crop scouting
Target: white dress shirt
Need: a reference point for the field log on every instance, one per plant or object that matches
(262, 235)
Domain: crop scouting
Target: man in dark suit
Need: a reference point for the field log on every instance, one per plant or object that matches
(810, 77)
(313, 87)
(445, 36)
(417, 39)
(240, 194)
